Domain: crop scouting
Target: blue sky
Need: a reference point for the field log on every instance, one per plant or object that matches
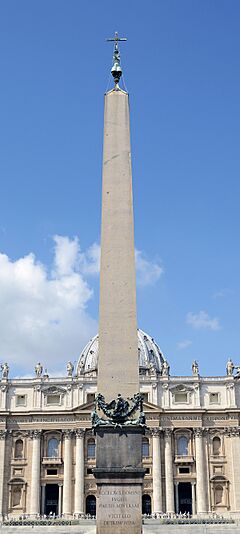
(181, 67)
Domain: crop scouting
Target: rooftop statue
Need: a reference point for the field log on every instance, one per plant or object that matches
(5, 370)
(70, 369)
(38, 370)
(165, 368)
(230, 367)
(195, 368)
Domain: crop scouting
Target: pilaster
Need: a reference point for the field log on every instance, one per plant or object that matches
(79, 473)
(157, 470)
(170, 508)
(35, 436)
(200, 472)
(67, 476)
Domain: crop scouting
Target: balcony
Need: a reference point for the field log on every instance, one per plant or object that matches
(48, 460)
(184, 459)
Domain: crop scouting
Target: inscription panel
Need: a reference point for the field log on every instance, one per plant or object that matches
(119, 509)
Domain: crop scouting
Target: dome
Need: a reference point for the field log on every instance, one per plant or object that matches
(150, 356)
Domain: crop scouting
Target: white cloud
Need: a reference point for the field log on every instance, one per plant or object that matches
(148, 272)
(202, 320)
(90, 260)
(43, 316)
(43, 312)
(181, 345)
(222, 293)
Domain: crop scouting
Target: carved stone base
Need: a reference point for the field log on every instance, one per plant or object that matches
(119, 478)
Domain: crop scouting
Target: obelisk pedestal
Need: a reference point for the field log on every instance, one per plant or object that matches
(119, 481)
(119, 473)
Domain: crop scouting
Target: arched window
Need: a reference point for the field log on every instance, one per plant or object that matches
(182, 446)
(53, 448)
(218, 494)
(91, 448)
(146, 505)
(91, 505)
(216, 446)
(18, 452)
(145, 447)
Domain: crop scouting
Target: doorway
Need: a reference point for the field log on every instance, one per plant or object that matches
(51, 499)
(146, 505)
(91, 505)
(185, 497)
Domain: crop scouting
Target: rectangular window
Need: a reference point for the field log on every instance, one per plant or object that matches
(53, 399)
(90, 397)
(183, 470)
(145, 397)
(217, 469)
(214, 398)
(52, 472)
(17, 472)
(89, 471)
(21, 400)
(181, 397)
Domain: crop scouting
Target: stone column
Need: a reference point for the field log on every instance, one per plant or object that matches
(169, 472)
(176, 497)
(43, 495)
(233, 455)
(79, 473)
(60, 500)
(67, 473)
(157, 471)
(35, 478)
(193, 499)
(200, 472)
(3, 435)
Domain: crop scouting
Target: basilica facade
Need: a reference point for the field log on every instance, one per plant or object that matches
(190, 449)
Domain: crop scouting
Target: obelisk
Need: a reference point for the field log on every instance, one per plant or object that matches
(118, 351)
(118, 472)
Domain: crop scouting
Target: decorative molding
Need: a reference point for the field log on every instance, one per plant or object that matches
(156, 432)
(80, 433)
(35, 434)
(232, 432)
(198, 432)
(53, 390)
(68, 433)
(168, 432)
(181, 388)
(3, 433)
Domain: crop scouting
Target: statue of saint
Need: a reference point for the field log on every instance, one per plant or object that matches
(38, 370)
(165, 368)
(195, 368)
(229, 367)
(5, 370)
(70, 368)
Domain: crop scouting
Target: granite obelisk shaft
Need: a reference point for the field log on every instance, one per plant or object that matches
(118, 351)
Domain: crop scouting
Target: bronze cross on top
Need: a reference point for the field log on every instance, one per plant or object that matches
(116, 39)
(116, 68)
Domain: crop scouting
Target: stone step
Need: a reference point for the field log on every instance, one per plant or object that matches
(151, 527)
(155, 528)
